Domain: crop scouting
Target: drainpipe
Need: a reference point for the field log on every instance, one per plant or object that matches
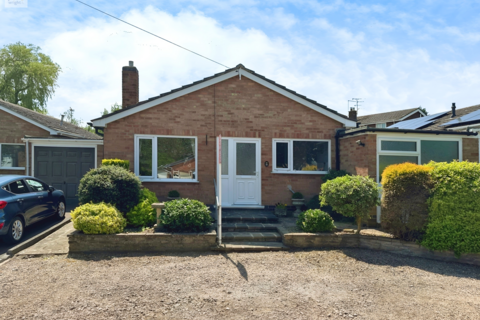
(27, 158)
(339, 133)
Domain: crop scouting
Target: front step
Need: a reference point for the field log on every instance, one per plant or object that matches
(251, 237)
(248, 227)
(251, 247)
(248, 216)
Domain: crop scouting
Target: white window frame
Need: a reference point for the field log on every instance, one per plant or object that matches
(290, 170)
(417, 153)
(381, 125)
(154, 176)
(12, 168)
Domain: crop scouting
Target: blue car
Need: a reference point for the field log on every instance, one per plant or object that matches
(25, 200)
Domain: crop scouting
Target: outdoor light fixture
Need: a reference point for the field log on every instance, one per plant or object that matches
(360, 143)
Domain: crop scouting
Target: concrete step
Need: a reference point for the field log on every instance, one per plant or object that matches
(251, 237)
(233, 218)
(248, 226)
(251, 247)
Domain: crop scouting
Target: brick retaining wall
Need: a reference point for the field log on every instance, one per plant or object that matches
(305, 240)
(145, 242)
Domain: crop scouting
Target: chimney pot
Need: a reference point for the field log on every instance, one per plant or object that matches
(453, 109)
(130, 91)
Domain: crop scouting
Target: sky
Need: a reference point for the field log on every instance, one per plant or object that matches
(392, 54)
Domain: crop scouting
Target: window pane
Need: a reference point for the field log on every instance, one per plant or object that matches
(399, 146)
(12, 156)
(439, 151)
(310, 155)
(282, 155)
(224, 157)
(246, 157)
(176, 158)
(145, 161)
(18, 187)
(386, 161)
(36, 185)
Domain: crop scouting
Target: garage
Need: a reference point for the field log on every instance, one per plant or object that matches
(63, 167)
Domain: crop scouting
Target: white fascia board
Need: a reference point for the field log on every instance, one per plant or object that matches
(346, 122)
(153, 103)
(64, 142)
(13, 113)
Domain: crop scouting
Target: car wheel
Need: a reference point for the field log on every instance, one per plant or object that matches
(61, 210)
(15, 232)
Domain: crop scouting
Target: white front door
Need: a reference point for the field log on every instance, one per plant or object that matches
(241, 180)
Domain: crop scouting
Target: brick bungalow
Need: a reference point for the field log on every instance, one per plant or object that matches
(272, 138)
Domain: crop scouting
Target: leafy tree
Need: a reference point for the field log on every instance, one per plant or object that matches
(27, 76)
(69, 117)
(423, 110)
(114, 107)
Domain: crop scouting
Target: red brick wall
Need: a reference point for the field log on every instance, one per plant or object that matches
(130, 91)
(242, 108)
(357, 159)
(13, 129)
(470, 149)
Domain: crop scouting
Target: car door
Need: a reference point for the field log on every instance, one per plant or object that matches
(27, 200)
(44, 203)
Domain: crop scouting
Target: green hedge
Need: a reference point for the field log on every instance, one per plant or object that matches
(110, 184)
(186, 215)
(99, 218)
(143, 215)
(406, 189)
(454, 208)
(116, 162)
(315, 221)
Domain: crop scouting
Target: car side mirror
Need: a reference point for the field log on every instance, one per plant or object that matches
(51, 189)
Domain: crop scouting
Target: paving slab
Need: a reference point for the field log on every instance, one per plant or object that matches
(55, 243)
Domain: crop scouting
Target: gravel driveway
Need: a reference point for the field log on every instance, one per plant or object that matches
(334, 284)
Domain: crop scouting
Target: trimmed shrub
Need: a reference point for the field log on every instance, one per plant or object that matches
(110, 184)
(143, 215)
(454, 208)
(406, 188)
(351, 196)
(315, 221)
(186, 215)
(116, 162)
(332, 174)
(99, 218)
(173, 194)
(297, 195)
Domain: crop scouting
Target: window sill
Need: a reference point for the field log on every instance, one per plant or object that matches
(301, 172)
(12, 168)
(169, 180)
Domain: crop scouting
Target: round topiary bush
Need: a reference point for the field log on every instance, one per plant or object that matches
(186, 215)
(98, 218)
(406, 189)
(297, 196)
(143, 215)
(110, 184)
(315, 221)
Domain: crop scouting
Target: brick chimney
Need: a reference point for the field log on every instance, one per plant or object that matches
(352, 114)
(129, 85)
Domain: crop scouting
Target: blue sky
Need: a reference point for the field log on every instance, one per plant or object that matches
(394, 55)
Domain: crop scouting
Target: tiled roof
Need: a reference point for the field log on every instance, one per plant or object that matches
(240, 66)
(437, 124)
(50, 122)
(385, 116)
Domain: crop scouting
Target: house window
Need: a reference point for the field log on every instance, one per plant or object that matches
(12, 156)
(166, 158)
(381, 125)
(418, 151)
(301, 156)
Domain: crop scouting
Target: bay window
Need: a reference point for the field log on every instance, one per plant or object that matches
(166, 158)
(301, 156)
(12, 156)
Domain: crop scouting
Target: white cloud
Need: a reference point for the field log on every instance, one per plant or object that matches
(387, 77)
